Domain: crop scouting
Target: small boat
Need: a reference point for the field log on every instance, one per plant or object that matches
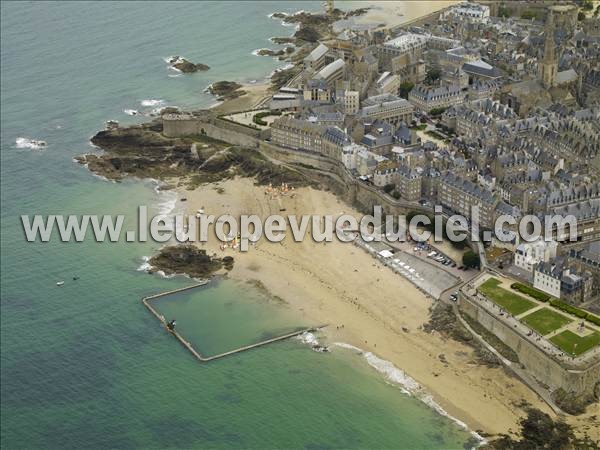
(75, 278)
(60, 283)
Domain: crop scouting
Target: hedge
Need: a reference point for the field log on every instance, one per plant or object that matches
(532, 292)
(569, 309)
(594, 319)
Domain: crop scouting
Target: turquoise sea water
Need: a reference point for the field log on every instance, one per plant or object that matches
(85, 365)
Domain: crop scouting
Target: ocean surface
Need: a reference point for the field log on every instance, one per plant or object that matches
(86, 365)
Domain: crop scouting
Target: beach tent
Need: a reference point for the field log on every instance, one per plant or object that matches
(386, 254)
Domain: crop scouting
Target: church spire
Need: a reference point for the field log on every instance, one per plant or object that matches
(549, 41)
(548, 66)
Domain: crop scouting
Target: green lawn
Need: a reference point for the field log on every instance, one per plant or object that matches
(513, 303)
(545, 320)
(572, 344)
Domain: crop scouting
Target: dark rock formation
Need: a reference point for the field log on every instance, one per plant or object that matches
(186, 66)
(225, 90)
(539, 431)
(142, 151)
(281, 77)
(283, 40)
(189, 260)
(269, 52)
(308, 34)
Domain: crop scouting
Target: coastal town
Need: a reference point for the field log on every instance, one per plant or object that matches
(489, 105)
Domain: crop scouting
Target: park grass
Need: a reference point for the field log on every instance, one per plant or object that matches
(545, 321)
(513, 303)
(573, 344)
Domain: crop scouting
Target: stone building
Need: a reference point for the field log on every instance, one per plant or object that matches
(426, 98)
(461, 195)
(388, 108)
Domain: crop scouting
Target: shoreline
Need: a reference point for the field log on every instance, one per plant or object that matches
(309, 278)
(440, 376)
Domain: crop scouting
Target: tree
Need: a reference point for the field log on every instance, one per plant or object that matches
(437, 111)
(405, 88)
(471, 259)
(580, 16)
(432, 75)
(527, 14)
(503, 11)
(389, 188)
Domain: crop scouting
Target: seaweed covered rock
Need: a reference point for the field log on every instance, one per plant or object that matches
(225, 90)
(189, 260)
(573, 403)
(143, 151)
(186, 66)
(540, 431)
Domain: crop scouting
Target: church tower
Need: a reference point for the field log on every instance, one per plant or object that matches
(548, 66)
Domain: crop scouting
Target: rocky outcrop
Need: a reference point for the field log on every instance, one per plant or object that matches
(142, 151)
(539, 431)
(186, 66)
(188, 260)
(314, 27)
(283, 40)
(226, 90)
(281, 77)
(268, 52)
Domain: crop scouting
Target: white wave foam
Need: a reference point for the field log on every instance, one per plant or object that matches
(408, 385)
(131, 112)
(175, 75)
(145, 266)
(152, 102)
(279, 69)
(272, 15)
(164, 275)
(167, 200)
(255, 52)
(308, 338)
(32, 144)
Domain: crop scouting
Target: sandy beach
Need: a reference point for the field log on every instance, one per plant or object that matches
(255, 93)
(366, 304)
(391, 14)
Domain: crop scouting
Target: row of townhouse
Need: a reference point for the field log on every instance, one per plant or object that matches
(304, 135)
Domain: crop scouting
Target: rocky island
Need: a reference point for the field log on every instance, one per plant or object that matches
(268, 52)
(189, 260)
(225, 90)
(185, 66)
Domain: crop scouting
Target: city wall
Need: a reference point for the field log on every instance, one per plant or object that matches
(325, 170)
(176, 125)
(577, 379)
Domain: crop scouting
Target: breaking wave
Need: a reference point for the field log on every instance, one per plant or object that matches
(145, 266)
(152, 102)
(407, 384)
(32, 144)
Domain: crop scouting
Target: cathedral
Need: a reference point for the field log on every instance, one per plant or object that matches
(551, 86)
